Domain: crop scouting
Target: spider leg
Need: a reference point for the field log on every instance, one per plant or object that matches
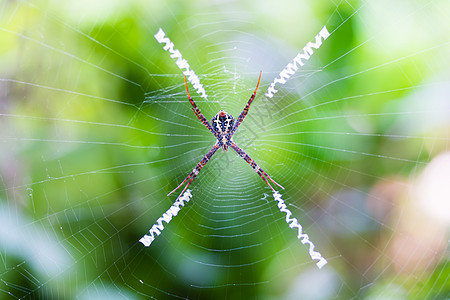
(196, 170)
(254, 165)
(197, 112)
(245, 111)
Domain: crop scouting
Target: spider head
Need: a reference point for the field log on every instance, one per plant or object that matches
(222, 122)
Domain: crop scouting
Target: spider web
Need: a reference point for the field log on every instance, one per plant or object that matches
(96, 129)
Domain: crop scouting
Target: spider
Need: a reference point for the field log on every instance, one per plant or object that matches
(223, 127)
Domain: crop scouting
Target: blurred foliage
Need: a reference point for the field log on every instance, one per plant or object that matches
(94, 133)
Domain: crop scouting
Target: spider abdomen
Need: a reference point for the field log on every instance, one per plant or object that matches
(222, 122)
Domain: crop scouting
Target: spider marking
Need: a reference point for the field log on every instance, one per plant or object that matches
(223, 127)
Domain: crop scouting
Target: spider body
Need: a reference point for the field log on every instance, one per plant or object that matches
(223, 126)
(222, 123)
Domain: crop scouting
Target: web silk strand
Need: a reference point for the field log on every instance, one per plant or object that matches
(156, 229)
(182, 63)
(293, 223)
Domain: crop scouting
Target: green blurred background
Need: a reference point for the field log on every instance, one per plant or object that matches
(96, 129)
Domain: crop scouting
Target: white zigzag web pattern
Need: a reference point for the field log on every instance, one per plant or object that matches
(182, 63)
(291, 68)
(293, 223)
(156, 229)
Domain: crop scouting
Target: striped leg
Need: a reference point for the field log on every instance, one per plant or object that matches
(245, 111)
(196, 170)
(254, 166)
(197, 112)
